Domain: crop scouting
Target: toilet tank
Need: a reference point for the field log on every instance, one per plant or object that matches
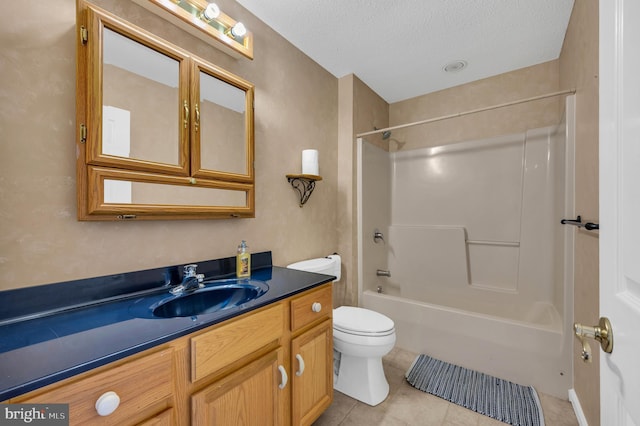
(329, 265)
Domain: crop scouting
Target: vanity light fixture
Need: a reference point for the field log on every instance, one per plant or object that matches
(212, 11)
(206, 21)
(238, 30)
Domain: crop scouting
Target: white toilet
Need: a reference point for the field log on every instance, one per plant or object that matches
(361, 337)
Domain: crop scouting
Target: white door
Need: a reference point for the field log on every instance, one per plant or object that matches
(620, 209)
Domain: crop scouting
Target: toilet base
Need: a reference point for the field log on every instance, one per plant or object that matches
(362, 379)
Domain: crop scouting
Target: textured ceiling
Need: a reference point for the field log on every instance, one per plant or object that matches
(400, 47)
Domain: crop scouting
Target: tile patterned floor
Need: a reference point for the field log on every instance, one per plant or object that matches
(406, 405)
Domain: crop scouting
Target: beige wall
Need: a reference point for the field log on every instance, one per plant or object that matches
(361, 109)
(151, 105)
(296, 107)
(579, 69)
(345, 291)
(511, 86)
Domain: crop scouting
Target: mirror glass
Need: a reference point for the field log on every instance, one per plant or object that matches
(144, 193)
(222, 121)
(140, 95)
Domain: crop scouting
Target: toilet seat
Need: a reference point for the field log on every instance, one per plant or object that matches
(364, 333)
(362, 322)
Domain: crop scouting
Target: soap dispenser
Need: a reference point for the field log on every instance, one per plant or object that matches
(243, 261)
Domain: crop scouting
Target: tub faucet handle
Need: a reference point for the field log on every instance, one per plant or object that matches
(383, 273)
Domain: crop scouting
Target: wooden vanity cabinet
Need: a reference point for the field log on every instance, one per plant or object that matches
(311, 355)
(144, 384)
(240, 363)
(269, 391)
(273, 366)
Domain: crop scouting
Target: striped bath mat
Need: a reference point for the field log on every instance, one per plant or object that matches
(500, 399)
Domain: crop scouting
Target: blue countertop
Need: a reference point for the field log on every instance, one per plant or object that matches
(53, 344)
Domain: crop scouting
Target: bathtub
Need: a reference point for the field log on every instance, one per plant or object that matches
(530, 350)
(484, 285)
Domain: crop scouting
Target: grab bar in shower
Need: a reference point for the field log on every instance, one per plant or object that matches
(589, 226)
(494, 243)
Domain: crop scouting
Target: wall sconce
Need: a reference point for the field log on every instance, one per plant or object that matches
(207, 22)
(305, 183)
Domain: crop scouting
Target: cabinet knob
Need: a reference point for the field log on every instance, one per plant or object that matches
(316, 307)
(285, 378)
(107, 403)
(301, 365)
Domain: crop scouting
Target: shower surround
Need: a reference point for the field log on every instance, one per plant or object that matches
(481, 268)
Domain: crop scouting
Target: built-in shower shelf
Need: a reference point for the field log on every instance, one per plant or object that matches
(304, 184)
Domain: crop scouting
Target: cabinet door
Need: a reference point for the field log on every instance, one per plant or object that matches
(222, 136)
(137, 98)
(250, 396)
(312, 373)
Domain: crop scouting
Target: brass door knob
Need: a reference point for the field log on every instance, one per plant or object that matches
(602, 332)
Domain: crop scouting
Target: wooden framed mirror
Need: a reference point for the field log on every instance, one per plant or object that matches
(157, 118)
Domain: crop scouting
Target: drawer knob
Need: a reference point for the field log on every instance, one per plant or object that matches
(316, 307)
(107, 403)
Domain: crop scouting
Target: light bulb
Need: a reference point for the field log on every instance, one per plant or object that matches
(238, 29)
(210, 12)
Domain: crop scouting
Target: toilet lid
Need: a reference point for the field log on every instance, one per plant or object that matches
(360, 321)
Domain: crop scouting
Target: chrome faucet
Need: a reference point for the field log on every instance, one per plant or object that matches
(190, 280)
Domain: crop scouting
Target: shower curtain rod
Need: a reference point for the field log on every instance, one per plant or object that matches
(473, 111)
